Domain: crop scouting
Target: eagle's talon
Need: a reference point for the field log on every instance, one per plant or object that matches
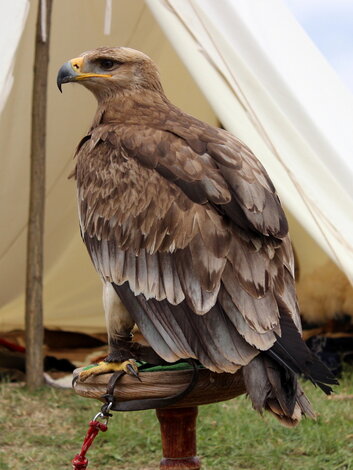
(129, 366)
(129, 369)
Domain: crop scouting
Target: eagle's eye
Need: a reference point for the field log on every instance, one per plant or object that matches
(107, 64)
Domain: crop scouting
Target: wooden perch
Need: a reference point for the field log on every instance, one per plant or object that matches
(210, 388)
(177, 422)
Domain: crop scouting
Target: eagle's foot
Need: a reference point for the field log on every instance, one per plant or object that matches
(129, 366)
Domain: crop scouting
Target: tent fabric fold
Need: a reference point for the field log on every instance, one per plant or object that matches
(12, 23)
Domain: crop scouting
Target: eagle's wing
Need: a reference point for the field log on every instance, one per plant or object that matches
(210, 165)
(192, 235)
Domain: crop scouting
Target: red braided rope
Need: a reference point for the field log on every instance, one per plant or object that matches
(80, 462)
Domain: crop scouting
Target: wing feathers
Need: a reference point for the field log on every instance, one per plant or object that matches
(262, 341)
(211, 337)
(251, 266)
(261, 314)
(291, 350)
(228, 174)
(154, 336)
(198, 298)
(170, 279)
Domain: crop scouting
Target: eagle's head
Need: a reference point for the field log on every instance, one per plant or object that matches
(107, 71)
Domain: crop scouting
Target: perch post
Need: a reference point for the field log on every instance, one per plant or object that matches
(178, 432)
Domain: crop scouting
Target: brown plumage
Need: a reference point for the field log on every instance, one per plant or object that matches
(183, 221)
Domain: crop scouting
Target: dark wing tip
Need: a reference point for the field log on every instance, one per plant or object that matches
(291, 351)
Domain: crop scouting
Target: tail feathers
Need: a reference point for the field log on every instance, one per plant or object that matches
(273, 388)
(291, 351)
(304, 403)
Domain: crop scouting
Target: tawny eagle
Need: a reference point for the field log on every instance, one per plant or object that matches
(183, 224)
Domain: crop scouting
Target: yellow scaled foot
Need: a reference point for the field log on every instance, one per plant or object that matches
(130, 367)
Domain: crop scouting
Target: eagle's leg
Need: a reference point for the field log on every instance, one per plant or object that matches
(123, 352)
(119, 325)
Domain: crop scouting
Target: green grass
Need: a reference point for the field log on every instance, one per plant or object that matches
(45, 429)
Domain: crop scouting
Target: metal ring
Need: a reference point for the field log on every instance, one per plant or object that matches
(98, 415)
(106, 408)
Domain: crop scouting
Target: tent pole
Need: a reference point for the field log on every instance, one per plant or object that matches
(34, 274)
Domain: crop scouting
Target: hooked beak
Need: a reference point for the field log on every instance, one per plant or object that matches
(66, 74)
(71, 71)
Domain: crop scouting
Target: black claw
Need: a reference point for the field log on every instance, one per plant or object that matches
(132, 371)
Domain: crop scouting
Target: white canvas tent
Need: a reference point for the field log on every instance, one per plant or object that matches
(260, 76)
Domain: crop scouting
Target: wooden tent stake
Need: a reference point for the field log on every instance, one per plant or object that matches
(34, 275)
(178, 431)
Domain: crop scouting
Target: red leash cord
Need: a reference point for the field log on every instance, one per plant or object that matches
(80, 461)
